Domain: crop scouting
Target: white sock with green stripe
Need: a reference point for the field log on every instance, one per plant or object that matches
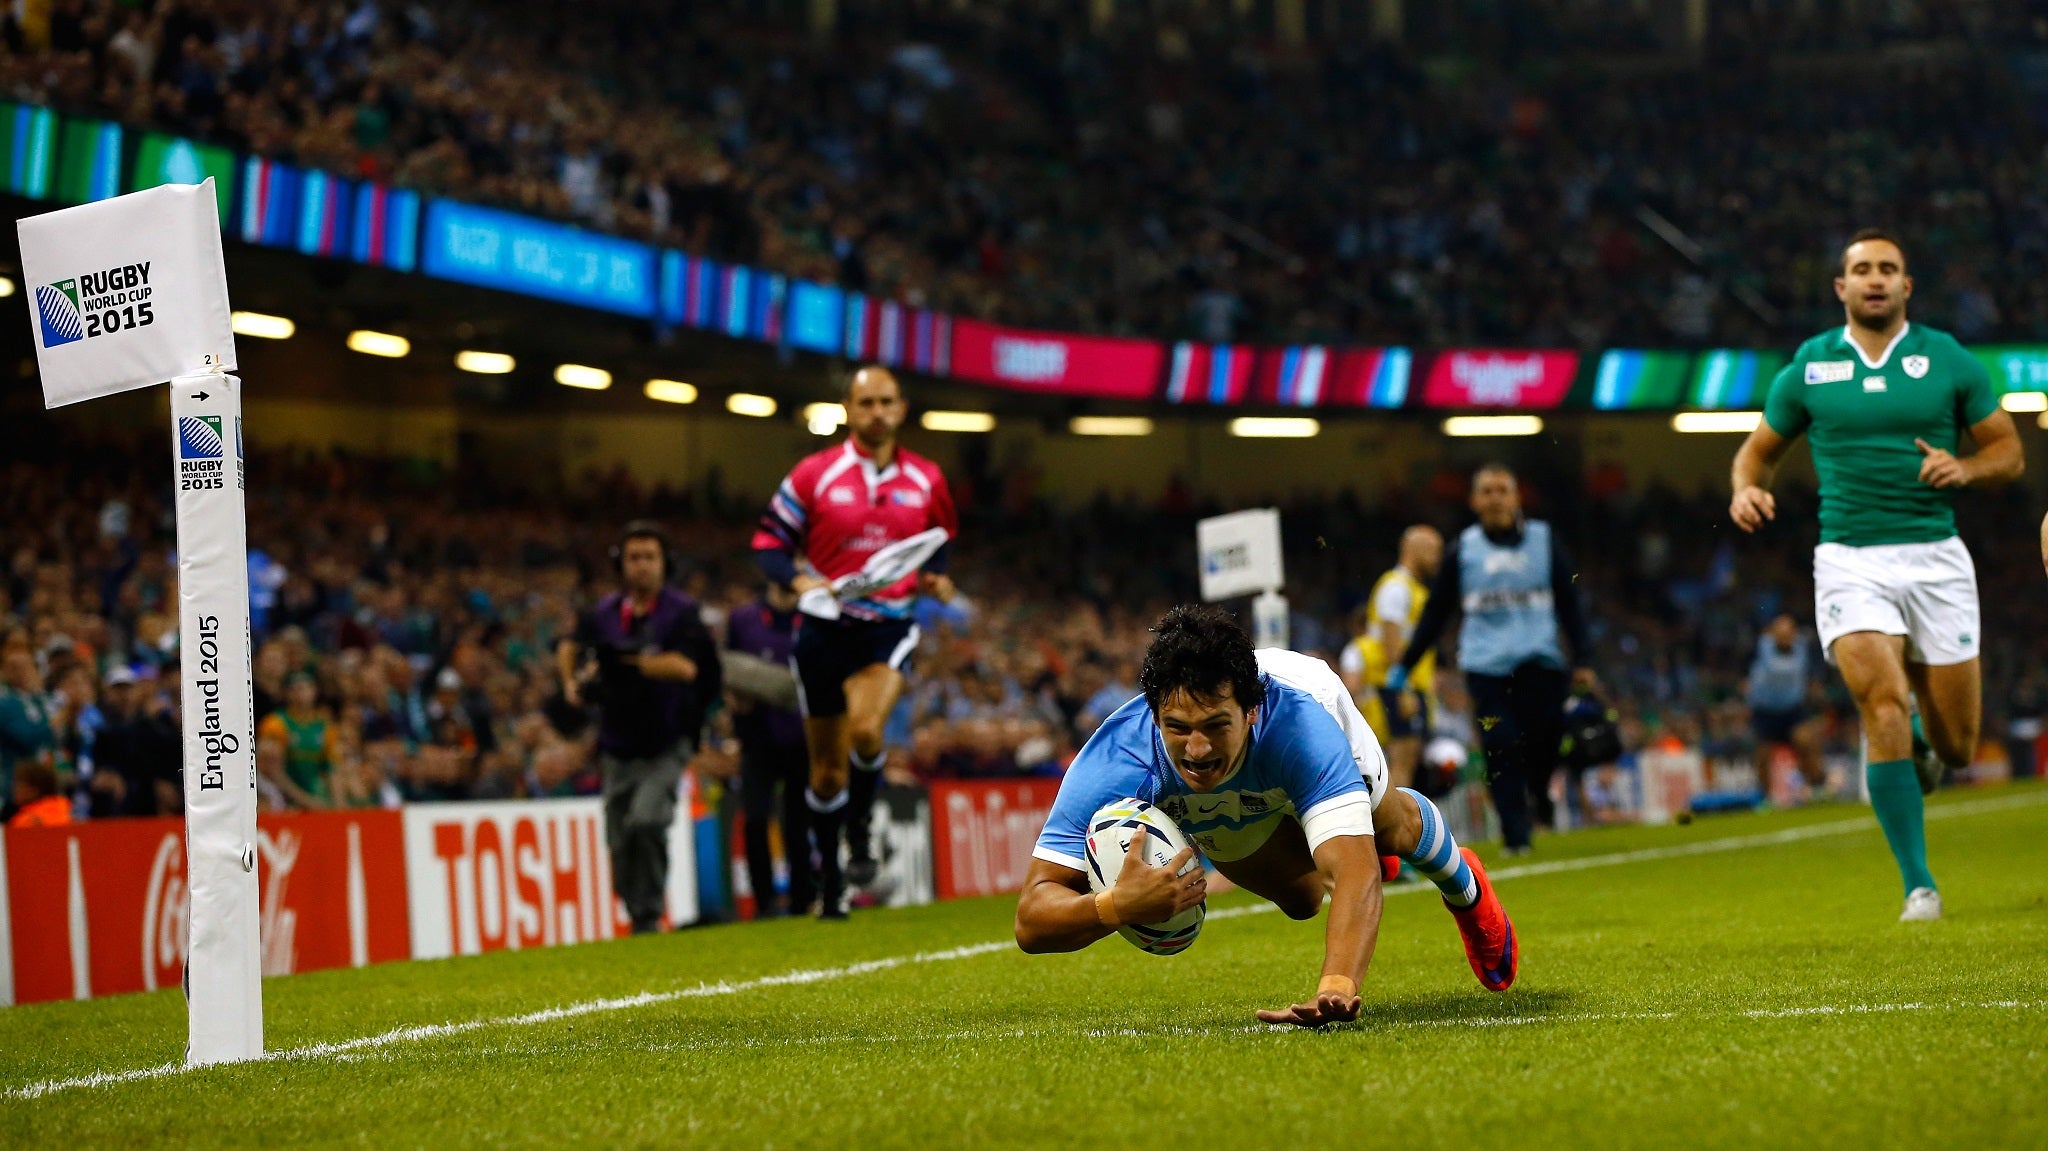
(1437, 857)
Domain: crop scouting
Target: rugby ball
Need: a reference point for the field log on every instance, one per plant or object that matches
(1133, 825)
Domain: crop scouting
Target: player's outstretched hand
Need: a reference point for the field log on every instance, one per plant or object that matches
(1751, 507)
(1327, 1007)
(1940, 469)
(1147, 894)
(937, 585)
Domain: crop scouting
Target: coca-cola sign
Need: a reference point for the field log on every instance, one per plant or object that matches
(103, 908)
(1500, 378)
(983, 832)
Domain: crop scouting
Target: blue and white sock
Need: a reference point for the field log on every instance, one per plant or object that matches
(1437, 857)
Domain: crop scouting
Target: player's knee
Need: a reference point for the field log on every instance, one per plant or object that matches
(1397, 824)
(1958, 744)
(1302, 904)
(1882, 706)
(866, 737)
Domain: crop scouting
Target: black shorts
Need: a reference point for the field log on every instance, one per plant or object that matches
(1772, 726)
(829, 652)
(1404, 728)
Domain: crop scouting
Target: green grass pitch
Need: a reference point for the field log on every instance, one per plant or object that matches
(1756, 994)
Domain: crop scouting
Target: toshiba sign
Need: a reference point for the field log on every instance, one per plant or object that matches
(518, 874)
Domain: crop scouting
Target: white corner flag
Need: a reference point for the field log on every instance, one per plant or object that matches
(128, 293)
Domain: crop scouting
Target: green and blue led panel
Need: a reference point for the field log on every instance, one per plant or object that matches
(2015, 367)
(88, 161)
(28, 148)
(1630, 380)
(161, 159)
(1733, 379)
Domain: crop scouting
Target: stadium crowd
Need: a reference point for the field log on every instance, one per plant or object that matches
(404, 641)
(1346, 191)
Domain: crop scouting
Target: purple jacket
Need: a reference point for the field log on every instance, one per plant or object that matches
(758, 629)
(642, 717)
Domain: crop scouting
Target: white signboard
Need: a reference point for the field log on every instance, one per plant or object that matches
(127, 292)
(1239, 553)
(496, 875)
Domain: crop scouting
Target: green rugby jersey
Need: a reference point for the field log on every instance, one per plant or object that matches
(1862, 419)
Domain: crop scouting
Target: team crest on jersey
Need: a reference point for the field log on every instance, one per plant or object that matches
(1915, 366)
(1830, 371)
(908, 499)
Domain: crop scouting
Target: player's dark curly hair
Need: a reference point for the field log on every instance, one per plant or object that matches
(1200, 649)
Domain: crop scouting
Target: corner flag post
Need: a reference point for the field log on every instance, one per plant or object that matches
(129, 293)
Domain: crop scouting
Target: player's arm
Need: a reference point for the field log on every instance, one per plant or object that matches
(1571, 616)
(1057, 913)
(687, 655)
(1392, 602)
(1750, 477)
(1356, 900)
(779, 538)
(933, 580)
(568, 651)
(1997, 460)
(1784, 420)
(1444, 594)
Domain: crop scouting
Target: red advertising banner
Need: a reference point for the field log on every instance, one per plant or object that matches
(1055, 362)
(100, 908)
(1500, 378)
(1209, 374)
(983, 832)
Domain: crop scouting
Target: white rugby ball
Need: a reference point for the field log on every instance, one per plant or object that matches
(1134, 825)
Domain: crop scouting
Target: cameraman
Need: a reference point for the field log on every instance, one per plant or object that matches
(655, 673)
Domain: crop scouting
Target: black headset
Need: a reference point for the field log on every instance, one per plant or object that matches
(645, 529)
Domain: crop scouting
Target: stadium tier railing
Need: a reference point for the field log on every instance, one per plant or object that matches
(269, 203)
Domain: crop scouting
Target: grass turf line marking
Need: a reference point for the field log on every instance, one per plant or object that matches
(350, 1047)
(413, 1034)
(1187, 1031)
(1765, 839)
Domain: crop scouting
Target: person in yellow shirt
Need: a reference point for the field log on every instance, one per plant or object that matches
(295, 746)
(1399, 718)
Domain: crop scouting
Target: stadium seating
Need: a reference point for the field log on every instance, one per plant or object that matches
(1343, 193)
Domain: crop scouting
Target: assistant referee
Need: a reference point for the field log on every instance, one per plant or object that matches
(1513, 582)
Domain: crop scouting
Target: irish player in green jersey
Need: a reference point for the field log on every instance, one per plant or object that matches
(1884, 403)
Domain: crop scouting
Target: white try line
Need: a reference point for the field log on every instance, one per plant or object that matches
(547, 1015)
(1370, 1021)
(416, 1034)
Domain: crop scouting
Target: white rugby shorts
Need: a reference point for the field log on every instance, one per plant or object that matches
(1924, 592)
